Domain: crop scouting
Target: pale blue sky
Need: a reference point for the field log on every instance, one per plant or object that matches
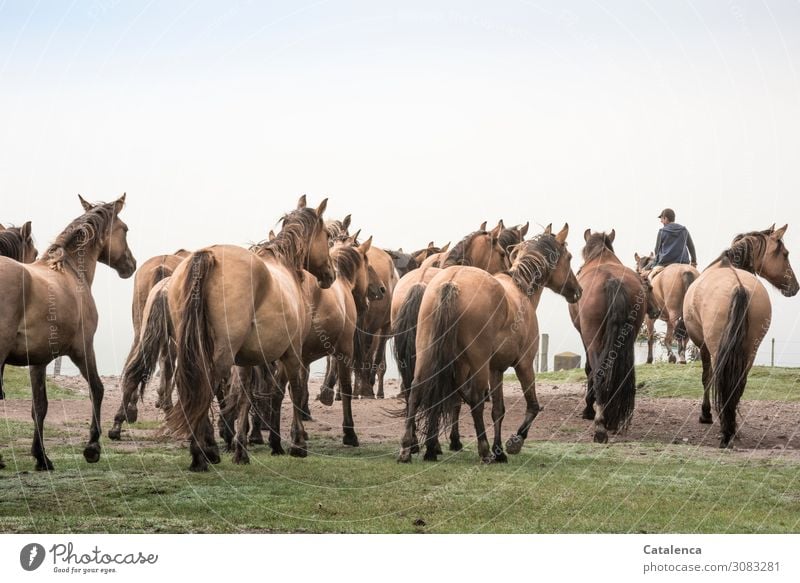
(423, 119)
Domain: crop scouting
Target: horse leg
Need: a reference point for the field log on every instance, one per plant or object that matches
(705, 411)
(368, 370)
(498, 412)
(651, 337)
(588, 410)
(380, 360)
(348, 425)
(668, 338)
(455, 434)
(527, 378)
(167, 366)
(475, 401)
(276, 400)
(87, 364)
(304, 410)
(409, 443)
(38, 413)
(298, 434)
(326, 395)
(240, 455)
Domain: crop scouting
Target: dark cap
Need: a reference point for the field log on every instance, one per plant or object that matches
(668, 214)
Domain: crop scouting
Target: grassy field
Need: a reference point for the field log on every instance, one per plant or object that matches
(17, 385)
(671, 380)
(551, 487)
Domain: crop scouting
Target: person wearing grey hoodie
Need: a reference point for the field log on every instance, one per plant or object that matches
(674, 243)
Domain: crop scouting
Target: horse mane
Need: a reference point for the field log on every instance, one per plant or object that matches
(458, 254)
(290, 246)
(11, 243)
(336, 230)
(347, 260)
(509, 237)
(535, 258)
(745, 250)
(596, 245)
(87, 232)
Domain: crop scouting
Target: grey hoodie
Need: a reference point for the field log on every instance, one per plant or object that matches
(674, 245)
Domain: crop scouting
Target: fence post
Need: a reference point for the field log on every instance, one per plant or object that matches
(772, 357)
(57, 366)
(543, 351)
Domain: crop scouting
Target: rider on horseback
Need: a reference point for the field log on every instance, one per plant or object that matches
(673, 245)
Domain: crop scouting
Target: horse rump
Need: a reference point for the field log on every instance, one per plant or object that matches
(404, 331)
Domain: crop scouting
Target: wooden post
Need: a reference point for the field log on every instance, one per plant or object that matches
(772, 358)
(57, 366)
(543, 352)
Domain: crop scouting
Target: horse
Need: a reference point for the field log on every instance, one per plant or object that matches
(229, 306)
(48, 310)
(480, 249)
(608, 318)
(338, 229)
(472, 327)
(16, 243)
(333, 314)
(135, 377)
(373, 330)
(669, 288)
(727, 312)
(405, 262)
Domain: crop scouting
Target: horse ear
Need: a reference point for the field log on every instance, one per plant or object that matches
(301, 202)
(496, 231)
(562, 234)
(2, 228)
(501, 224)
(346, 222)
(87, 206)
(611, 235)
(322, 206)
(586, 234)
(770, 229)
(364, 247)
(119, 204)
(271, 235)
(399, 250)
(483, 226)
(524, 230)
(25, 231)
(446, 247)
(431, 245)
(778, 235)
(636, 257)
(354, 237)
(548, 230)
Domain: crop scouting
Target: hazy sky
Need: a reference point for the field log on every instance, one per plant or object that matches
(422, 119)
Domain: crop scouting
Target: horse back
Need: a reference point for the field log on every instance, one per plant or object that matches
(670, 287)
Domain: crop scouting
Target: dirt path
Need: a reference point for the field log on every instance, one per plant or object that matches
(768, 428)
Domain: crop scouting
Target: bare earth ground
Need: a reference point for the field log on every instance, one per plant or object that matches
(767, 428)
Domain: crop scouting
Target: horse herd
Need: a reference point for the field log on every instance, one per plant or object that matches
(241, 325)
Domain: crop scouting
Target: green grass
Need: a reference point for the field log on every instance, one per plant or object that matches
(550, 487)
(17, 385)
(672, 380)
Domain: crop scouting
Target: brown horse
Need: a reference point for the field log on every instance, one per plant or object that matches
(16, 243)
(232, 306)
(472, 327)
(48, 310)
(479, 249)
(608, 318)
(148, 276)
(333, 314)
(668, 289)
(405, 262)
(728, 311)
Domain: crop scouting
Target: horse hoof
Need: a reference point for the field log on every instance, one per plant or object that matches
(350, 438)
(241, 458)
(706, 419)
(588, 414)
(500, 457)
(379, 396)
(132, 414)
(257, 440)
(326, 396)
(415, 448)
(672, 359)
(306, 416)
(338, 398)
(43, 466)
(405, 456)
(514, 444)
(600, 437)
(198, 467)
(115, 433)
(430, 456)
(91, 453)
(367, 396)
(278, 451)
(682, 361)
(297, 451)
(456, 446)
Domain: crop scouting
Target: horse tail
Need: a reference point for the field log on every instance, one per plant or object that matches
(404, 330)
(194, 369)
(435, 388)
(615, 380)
(153, 342)
(688, 278)
(730, 368)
